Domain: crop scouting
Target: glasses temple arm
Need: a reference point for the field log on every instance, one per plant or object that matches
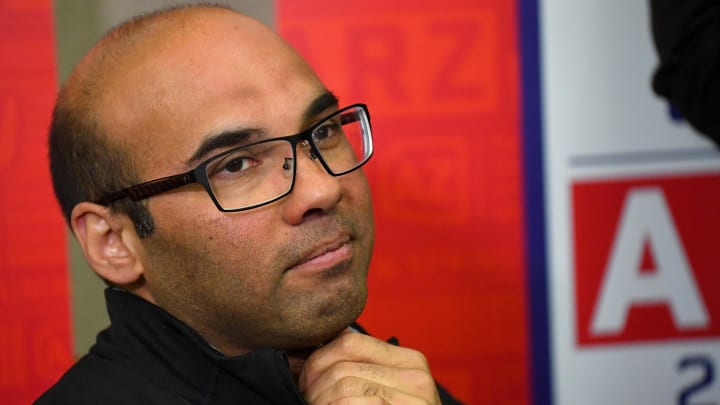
(150, 188)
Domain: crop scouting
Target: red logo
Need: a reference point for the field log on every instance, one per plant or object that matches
(647, 259)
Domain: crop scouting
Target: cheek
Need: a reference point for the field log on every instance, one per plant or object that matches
(206, 258)
(359, 197)
(199, 236)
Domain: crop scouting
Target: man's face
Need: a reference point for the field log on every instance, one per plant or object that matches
(288, 275)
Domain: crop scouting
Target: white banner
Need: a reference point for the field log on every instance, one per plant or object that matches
(633, 224)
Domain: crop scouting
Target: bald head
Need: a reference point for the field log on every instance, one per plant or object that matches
(164, 42)
(143, 82)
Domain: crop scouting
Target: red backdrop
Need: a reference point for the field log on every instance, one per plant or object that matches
(442, 83)
(34, 303)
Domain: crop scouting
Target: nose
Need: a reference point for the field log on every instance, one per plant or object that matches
(314, 193)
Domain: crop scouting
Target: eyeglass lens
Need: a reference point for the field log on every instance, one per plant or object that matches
(264, 171)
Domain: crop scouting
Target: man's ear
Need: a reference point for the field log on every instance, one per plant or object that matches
(109, 242)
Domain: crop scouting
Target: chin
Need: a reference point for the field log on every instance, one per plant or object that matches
(327, 321)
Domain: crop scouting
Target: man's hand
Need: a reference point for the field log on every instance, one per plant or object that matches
(356, 368)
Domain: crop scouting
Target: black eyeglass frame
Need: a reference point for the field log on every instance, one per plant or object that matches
(150, 188)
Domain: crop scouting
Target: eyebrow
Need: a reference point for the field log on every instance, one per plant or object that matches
(321, 103)
(223, 140)
(230, 138)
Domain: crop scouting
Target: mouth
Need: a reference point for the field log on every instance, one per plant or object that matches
(324, 256)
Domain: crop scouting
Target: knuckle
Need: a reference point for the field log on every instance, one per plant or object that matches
(371, 389)
(350, 386)
(349, 341)
(346, 386)
(372, 370)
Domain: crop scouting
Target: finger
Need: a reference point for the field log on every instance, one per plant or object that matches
(412, 381)
(356, 347)
(360, 401)
(358, 390)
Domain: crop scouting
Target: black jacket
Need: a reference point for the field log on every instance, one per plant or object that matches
(149, 357)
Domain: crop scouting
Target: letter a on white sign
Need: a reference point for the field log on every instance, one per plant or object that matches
(646, 219)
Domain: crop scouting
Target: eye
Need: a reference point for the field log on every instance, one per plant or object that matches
(237, 164)
(232, 165)
(325, 132)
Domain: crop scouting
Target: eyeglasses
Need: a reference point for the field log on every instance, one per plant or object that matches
(259, 173)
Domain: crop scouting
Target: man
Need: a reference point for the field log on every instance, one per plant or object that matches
(237, 255)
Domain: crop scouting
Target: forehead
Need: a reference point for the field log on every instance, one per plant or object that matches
(212, 73)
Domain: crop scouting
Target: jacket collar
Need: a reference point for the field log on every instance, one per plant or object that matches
(146, 336)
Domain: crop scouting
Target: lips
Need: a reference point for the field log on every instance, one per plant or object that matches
(325, 255)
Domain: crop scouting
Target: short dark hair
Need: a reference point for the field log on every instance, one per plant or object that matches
(85, 165)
